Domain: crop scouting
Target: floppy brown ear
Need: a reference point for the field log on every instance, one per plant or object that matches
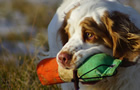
(64, 34)
(124, 34)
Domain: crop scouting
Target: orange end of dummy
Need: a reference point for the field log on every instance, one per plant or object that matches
(47, 71)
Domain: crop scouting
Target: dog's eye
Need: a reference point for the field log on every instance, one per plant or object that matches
(89, 35)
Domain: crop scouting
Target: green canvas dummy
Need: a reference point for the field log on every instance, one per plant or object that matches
(97, 67)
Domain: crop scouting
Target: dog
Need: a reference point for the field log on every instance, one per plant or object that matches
(81, 28)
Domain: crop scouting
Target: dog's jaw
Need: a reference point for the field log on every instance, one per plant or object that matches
(79, 55)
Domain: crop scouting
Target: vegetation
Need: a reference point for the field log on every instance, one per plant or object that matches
(39, 15)
(21, 74)
(18, 71)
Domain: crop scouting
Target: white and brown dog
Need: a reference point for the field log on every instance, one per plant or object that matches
(81, 28)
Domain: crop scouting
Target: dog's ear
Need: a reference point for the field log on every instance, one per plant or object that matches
(124, 34)
(64, 34)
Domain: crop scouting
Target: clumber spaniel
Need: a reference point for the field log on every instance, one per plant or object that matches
(81, 28)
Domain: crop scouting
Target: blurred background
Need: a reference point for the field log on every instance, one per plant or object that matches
(23, 32)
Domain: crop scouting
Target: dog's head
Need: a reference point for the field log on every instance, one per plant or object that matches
(99, 26)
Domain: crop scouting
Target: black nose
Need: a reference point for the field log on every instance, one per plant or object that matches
(65, 57)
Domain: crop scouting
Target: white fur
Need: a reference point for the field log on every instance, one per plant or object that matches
(126, 78)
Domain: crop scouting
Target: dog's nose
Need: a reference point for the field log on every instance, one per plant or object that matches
(64, 57)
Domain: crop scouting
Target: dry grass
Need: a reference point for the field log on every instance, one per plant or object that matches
(18, 71)
(39, 15)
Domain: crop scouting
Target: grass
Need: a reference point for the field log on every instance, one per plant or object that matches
(38, 15)
(18, 71)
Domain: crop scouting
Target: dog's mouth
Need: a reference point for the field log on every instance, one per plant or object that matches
(65, 60)
(65, 64)
(68, 61)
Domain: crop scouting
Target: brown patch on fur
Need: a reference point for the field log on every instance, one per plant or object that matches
(100, 32)
(67, 30)
(63, 30)
(124, 34)
(116, 32)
